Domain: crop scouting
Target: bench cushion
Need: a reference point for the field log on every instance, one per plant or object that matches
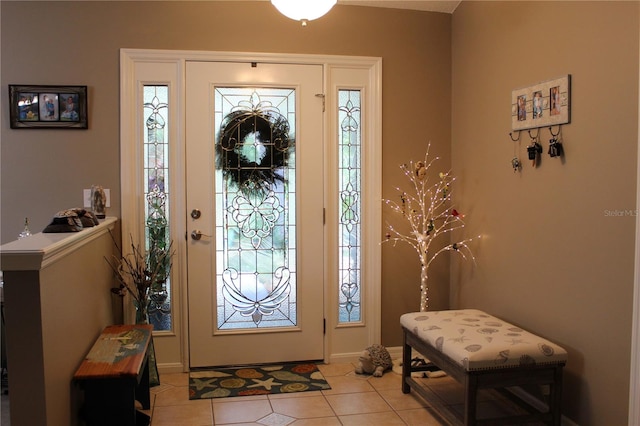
(479, 341)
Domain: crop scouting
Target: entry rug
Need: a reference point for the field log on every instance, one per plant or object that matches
(259, 380)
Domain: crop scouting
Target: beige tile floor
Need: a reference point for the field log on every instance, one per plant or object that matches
(352, 400)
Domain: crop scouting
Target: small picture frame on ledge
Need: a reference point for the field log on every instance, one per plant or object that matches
(47, 107)
(542, 105)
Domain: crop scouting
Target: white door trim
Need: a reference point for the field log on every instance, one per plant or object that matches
(136, 71)
(341, 343)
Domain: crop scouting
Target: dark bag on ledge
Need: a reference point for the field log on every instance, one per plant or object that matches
(71, 220)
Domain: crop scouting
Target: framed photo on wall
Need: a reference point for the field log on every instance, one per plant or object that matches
(47, 107)
(541, 105)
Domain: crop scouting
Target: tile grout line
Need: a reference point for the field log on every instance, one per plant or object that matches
(381, 391)
(331, 406)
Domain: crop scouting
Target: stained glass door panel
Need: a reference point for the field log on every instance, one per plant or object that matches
(254, 156)
(255, 213)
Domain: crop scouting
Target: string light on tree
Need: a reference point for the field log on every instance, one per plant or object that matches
(427, 209)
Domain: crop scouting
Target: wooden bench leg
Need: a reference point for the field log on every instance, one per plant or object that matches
(142, 388)
(555, 397)
(470, 399)
(406, 364)
(110, 402)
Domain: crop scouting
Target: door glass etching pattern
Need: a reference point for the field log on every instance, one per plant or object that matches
(255, 197)
(156, 177)
(349, 222)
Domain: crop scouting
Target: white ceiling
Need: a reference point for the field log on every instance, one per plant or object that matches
(445, 6)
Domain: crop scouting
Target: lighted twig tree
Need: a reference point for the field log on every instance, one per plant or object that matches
(427, 209)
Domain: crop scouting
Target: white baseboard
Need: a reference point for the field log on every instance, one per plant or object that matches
(353, 357)
(344, 358)
(172, 368)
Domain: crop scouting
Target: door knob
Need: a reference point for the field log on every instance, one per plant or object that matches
(197, 234)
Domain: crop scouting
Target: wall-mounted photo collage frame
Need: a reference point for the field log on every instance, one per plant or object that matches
(541, 105)
(48, 107)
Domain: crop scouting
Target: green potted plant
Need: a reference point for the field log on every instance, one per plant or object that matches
(139, 273)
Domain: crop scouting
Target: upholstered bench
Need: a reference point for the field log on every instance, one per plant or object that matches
(481, 351)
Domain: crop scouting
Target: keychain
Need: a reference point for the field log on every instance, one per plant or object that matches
(555, 146)
(535, 149)
(515, 163)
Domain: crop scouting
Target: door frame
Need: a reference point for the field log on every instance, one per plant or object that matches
(146, 66)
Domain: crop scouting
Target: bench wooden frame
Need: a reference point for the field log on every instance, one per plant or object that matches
(473, 381)
(112, 389)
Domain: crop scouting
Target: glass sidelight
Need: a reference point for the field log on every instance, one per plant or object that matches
(156, 177)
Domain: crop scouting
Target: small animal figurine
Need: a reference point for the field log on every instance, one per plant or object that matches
(420, 170)
(374, 360)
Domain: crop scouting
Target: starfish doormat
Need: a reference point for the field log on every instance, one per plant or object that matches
(259, 380)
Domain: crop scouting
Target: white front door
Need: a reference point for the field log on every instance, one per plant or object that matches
(254, 201)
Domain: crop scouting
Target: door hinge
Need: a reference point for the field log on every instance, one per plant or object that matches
(321, 95)
(324, 216)
(324, 326)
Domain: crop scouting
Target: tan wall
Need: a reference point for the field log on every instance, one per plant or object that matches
(78, 43)
(553, 260)
(550, 259)
(57, 301)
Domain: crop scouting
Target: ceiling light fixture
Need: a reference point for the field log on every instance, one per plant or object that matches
(303, 10)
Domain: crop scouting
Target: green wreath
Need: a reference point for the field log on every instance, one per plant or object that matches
(258, 174)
